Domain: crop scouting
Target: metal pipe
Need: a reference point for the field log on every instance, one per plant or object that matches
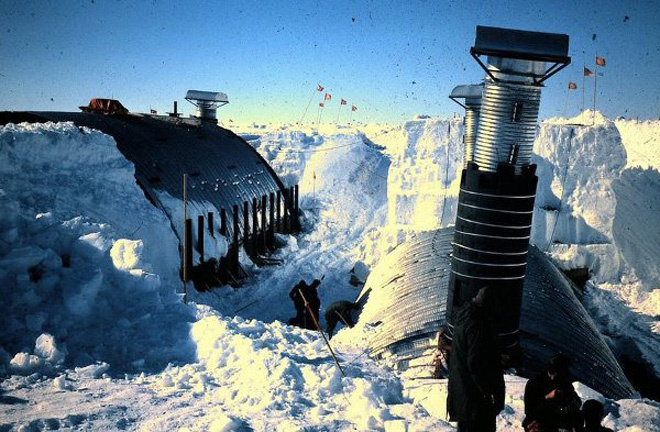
(508, 117)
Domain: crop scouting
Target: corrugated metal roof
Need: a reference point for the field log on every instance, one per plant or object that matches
(223, 169)
(408, 294)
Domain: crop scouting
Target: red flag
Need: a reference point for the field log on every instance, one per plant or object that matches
(587, 72)
(600, 61)
(319, 88)
(353, 108)
(321, 104)
(572, 86)
(343, 102)
(328, 96)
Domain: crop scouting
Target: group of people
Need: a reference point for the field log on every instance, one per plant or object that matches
(308, 305)
(476, 374)
(476, 380)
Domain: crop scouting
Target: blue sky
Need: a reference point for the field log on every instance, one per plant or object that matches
(391, 59)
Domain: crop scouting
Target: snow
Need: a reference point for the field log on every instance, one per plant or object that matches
(93, 334)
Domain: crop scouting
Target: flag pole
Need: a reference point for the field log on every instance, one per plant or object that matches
(593, 120)
(338, 112)
(568, 90)
(308, 104)
(318, 125)
(583, 76)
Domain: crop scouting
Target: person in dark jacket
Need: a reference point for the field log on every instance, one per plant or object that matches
(592, 414)
(339, 311)
(302, 318)
(476, 379)
(551, 403)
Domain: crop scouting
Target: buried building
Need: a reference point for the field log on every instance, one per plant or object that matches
(406, 301)
(233, 197)
(417, 289)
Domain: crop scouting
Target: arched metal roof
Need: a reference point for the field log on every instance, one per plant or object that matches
(223, 169)
(407, 294)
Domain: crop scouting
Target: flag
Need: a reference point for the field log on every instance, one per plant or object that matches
(153, 111)
(343, 102)
(572, 86)
(353, 108)
(587, 72)
(321, 104)
(319, 88)
(600, 61)
(328, 96)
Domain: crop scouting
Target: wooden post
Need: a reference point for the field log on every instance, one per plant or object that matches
(246, 224)
(255, 226)
(211, 227)
(186, 239)
(188, 252)
(278, 221)
(291, 210)
(285, 211)
(200, 237)
(223, 222)
(264, 234)
(234, 258)
(271, 225)
(296, 212)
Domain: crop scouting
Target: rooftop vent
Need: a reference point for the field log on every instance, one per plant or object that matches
(207, 104)
(515, 71)
(498, 185)
(471, 95)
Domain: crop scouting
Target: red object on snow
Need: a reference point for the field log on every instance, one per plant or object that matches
(105, 106)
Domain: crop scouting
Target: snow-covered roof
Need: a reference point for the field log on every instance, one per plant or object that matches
(223, 169)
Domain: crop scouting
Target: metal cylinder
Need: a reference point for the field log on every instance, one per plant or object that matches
(507, 120)
(472, 110)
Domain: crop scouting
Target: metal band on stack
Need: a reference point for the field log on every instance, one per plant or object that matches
(491, 241)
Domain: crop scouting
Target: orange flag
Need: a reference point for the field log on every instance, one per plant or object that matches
(328, 96)
(572, 86)
(600, 61)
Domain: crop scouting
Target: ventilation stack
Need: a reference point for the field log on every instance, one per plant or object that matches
(207, 104)
(498, 184)
(471, 95)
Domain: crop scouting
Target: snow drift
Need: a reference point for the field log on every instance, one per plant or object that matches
(87, 265)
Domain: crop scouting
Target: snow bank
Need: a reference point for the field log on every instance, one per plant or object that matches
(87, 265)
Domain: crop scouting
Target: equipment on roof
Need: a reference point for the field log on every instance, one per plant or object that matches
(207, 103)
(471, 94)
(105, 106)
(498, 184)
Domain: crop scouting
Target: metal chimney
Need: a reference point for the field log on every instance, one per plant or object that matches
(498, 185)
(471, 94)
(207, 104)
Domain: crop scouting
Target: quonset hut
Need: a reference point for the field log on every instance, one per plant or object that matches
(409, 288)
(225, 175)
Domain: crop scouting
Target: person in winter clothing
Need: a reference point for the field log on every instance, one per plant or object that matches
(476, 379)
(339, 311)
(551, 403)
(592, 414)
(302, 318)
